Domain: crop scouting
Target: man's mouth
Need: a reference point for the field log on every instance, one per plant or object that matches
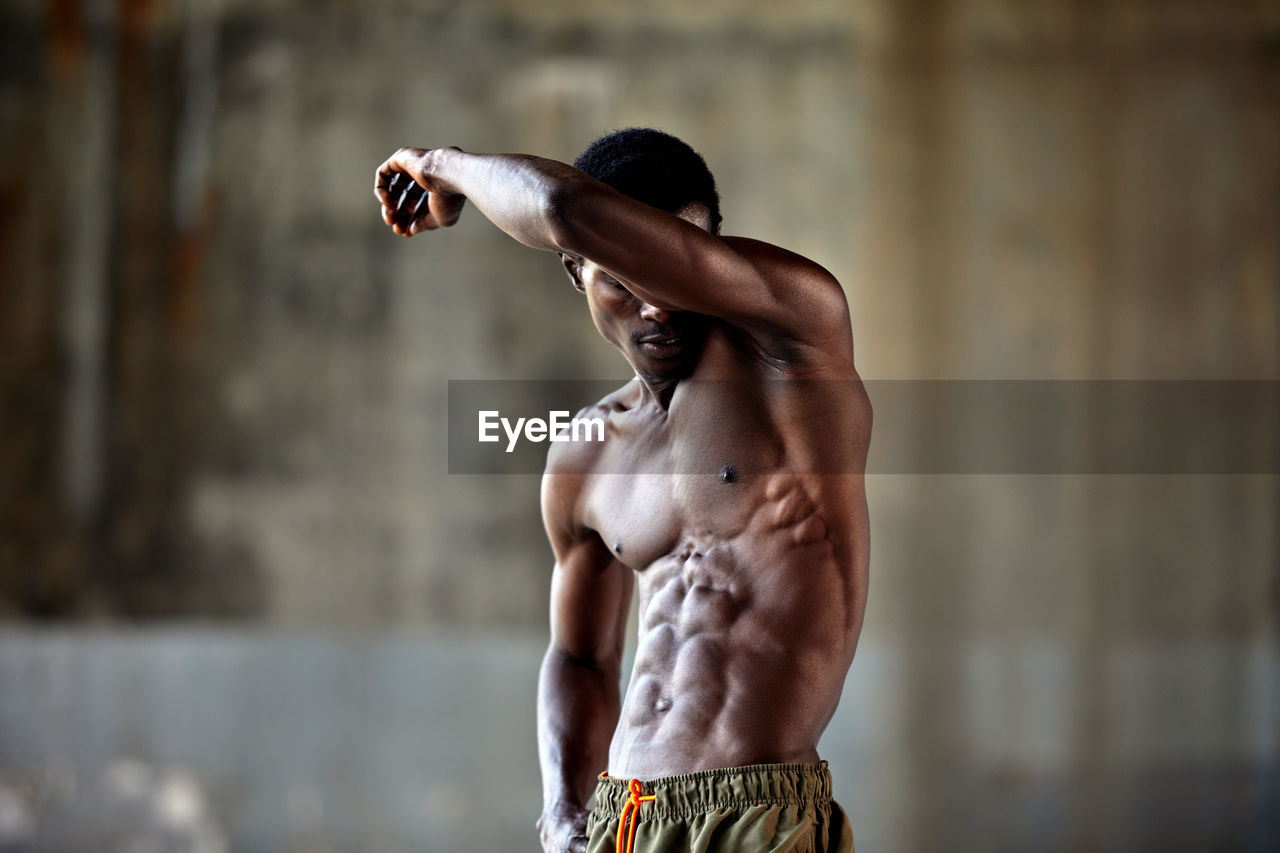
(660, 346)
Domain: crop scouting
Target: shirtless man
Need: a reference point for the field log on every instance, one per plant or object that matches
(742, 511)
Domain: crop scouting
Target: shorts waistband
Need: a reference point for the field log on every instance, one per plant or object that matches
(728, 787)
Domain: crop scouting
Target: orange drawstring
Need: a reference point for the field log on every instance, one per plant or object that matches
(631, 808)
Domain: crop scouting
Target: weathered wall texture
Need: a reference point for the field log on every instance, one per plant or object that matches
(224, 377)
(222, 381)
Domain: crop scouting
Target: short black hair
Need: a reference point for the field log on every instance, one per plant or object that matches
(653, 167)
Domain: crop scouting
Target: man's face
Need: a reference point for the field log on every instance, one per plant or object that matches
(658, 344)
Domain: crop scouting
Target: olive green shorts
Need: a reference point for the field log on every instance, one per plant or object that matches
(755, 808)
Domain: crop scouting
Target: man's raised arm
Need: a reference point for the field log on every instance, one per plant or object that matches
(663, 259)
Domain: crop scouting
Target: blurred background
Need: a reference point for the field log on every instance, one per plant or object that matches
(244, 604)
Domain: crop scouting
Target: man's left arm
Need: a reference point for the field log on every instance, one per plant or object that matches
(663, 259)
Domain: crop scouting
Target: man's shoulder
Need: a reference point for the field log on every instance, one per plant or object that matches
(588, 434)
(571, 463)
(805, 323)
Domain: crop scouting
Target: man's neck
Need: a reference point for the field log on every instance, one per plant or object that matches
(657, 390)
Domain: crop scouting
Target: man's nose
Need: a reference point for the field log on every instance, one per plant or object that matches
(654, 314)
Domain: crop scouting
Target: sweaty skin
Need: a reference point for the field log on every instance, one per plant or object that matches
(730, 483)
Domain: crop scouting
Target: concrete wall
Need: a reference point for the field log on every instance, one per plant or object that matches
(222, 382)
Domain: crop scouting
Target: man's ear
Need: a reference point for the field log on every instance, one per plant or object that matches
(573, 267)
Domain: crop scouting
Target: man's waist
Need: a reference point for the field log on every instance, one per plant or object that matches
(722, 788)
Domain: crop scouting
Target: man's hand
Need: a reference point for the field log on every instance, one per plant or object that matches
(563, 830)
(413, 198)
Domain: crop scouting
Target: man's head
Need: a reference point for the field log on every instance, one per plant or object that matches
(663, 172)
(653, 167)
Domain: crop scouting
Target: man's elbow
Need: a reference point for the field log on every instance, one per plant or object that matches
(593, 661)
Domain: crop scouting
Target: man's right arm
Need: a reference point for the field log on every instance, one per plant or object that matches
(780, 298)
(578, 696)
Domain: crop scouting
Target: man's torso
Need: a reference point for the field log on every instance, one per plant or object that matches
(742, 510)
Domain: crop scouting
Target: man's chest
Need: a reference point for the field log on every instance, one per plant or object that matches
(692, 476)
(643, 518)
